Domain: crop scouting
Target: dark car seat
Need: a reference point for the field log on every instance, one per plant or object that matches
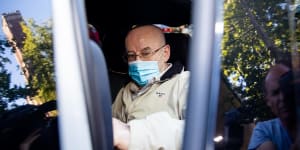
(179, 44)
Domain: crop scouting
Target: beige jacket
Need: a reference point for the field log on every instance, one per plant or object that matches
(155, 115)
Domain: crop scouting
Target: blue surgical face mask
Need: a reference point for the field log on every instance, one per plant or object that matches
(142, 72)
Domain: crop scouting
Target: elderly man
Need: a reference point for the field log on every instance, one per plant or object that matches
(148, 113)
(277, 133)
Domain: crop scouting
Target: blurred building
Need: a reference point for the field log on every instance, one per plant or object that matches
(11, 26)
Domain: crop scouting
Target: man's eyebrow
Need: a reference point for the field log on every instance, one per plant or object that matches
(146, 48)
(143, 49)
(276, 91)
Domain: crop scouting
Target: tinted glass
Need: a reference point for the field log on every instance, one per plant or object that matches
(257, 35)
(28, 94)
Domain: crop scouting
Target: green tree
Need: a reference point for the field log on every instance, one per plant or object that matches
(256, 35)
(38, 57)
(37, 54)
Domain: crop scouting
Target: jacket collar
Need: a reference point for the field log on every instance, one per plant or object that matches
(176, 68)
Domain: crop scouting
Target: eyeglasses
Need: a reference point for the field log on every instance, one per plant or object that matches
(145, 54)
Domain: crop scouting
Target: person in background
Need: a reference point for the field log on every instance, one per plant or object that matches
(148, 113)
(277, 133)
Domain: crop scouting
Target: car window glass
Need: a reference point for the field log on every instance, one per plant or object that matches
(257, 35)
(28, 93)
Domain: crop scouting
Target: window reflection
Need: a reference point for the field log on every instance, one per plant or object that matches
(257, 35)
(27, 89)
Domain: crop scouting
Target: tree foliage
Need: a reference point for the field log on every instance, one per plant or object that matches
(8, 93)
(38, 57)
(37, 54)
(256, 35)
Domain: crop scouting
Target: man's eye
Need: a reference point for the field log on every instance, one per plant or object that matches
(130, 55)
(145, 54)
(275, 92)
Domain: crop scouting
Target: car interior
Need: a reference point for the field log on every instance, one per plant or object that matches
(88, 45)
(113, 28)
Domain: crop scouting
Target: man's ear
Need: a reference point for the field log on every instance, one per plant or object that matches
(166, 52)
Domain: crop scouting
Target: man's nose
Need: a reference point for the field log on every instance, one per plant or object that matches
(138, 57)
(280, 96)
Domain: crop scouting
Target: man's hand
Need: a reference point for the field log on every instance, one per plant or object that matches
(121, 133)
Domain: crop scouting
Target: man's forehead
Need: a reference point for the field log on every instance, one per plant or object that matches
(275, 72)
(273, 77)
(272, 85)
